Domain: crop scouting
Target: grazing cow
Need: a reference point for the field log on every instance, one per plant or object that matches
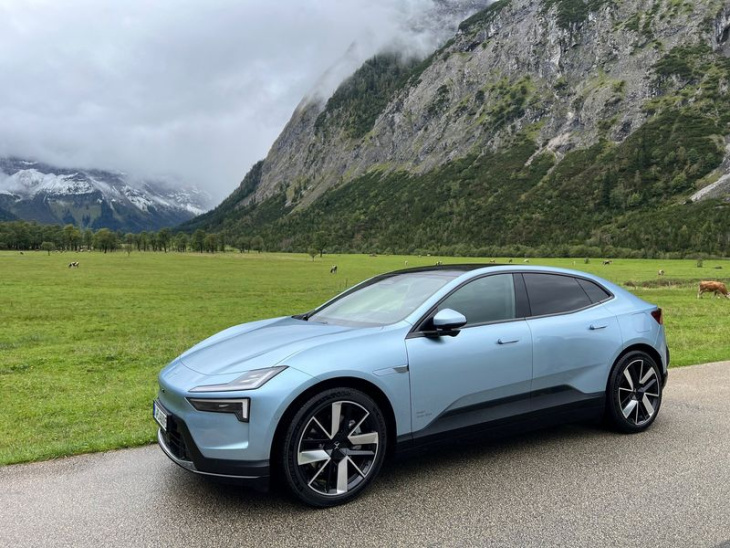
(439, 263)
(718, 268)
(607, 262)
(660, 273)
(21, 252)
(492, 262)
(406, 263)
(510, 261)
(718, 288)
(333, 270)
(526, 261)
(74, 264)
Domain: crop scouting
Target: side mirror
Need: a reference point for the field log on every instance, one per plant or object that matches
(448, 322)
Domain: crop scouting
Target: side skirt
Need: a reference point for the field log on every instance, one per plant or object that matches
(586, 410)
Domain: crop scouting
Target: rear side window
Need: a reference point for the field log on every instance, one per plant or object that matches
(554, 294)
(595, 292)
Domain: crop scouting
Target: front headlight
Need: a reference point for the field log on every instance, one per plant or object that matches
(248, 381)
(239, 408)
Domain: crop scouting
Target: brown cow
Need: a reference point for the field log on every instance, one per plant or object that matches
(718, 288)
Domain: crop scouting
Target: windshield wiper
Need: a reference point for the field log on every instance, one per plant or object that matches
(303, 317)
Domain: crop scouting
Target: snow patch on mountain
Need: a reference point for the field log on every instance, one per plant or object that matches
(25, 179)
(162, 202)
(31, 182)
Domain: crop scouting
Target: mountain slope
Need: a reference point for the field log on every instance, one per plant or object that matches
(6, 216)
(553, 123)
(92, 198)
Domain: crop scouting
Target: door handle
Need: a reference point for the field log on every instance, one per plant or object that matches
(595, 327)
(502, 341)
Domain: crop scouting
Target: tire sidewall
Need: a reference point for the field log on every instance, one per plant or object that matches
(290, 446)
(615, 415)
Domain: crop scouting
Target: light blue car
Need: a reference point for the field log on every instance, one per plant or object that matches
(406, 359)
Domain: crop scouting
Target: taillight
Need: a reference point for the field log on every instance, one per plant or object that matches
(657, 315)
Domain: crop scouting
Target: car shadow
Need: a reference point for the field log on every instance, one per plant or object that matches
(397, 476)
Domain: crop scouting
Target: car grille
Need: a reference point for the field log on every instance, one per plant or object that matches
(174, 440)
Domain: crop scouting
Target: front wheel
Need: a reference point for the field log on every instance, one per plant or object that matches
(634, 393)
(334, 447)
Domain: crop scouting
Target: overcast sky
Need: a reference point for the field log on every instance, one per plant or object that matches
(192, 89)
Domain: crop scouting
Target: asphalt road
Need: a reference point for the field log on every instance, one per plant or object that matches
(569, 486)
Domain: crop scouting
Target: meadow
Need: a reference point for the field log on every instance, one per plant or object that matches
(80, 349)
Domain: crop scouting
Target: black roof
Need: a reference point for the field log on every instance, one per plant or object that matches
(436, 268)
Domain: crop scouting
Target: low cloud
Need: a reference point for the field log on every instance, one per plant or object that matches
(188, 89)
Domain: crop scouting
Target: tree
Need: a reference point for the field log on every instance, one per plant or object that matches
(223, 240)
(48, 246)
(199, 240)
(319, 242)
(211, 243)
(312, 252)
(105, 239)
(71, 237)
(88, 238)
(181, 242)
(143, 241)
(243, 243)
(163, 238)
(153, 241)
(257, 243)
(127, 248)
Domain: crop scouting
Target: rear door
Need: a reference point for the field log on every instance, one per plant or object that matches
(482, 374)
(575, 338)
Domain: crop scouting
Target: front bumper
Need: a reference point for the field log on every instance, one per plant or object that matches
(179, 446)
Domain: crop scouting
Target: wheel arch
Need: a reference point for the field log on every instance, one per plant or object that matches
(647, 349)
(355, 383)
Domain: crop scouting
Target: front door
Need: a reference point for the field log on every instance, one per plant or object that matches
(483, 373)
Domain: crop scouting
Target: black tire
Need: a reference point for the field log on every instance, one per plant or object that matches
(634, 393)
(324, 465)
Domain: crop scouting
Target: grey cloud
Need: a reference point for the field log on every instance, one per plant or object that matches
(189, 89)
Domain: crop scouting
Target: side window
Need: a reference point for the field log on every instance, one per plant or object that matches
(488, 299)
(553, 294)
(595, 292)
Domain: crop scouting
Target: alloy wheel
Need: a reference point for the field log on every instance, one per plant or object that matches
(338, 448)
(639, 392)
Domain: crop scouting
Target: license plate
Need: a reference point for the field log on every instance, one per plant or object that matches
(160, 415)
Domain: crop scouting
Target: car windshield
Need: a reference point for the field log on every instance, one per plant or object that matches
(385, 301)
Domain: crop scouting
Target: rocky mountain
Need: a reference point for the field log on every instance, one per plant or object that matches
(553, 124)
(95, 199)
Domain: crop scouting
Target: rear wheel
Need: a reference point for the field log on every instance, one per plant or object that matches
(334, 447)
(634, 393)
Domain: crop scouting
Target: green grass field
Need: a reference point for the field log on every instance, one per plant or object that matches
(80, 349)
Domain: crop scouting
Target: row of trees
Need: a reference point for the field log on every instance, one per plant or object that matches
(26, 236)
(23, 236)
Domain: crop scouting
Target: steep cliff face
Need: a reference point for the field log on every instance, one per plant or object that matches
(608, 109)
(581, 75)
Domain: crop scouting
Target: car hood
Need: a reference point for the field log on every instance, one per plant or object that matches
(259, 344)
